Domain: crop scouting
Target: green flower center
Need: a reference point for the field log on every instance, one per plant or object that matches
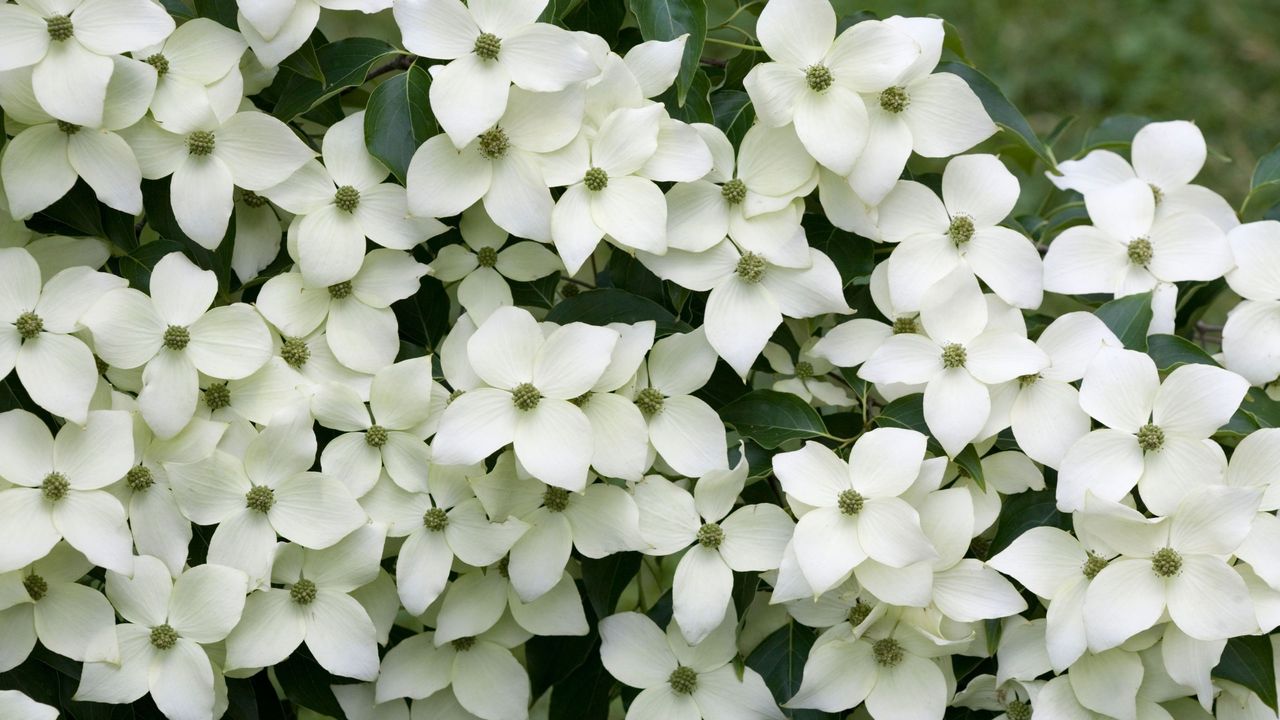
(596, 179)
(59, 27)
(1018, 710)
(750, 267)
(555, 499)
(494, 143)
(710, 536)
(954, 356)
(463, 644)
(347, 199)
(252, 199)
(303, 592)
(164, 636)
(526, 396)
(435, 519)
(804, 370)
(1093, 565)
(850, 502)
(887, 652)
(55, 486)
(68, 128)
(260, 498)
(200, 142)
(217, 396)
(894, 99)
(486, 257)
(819, 77)
(29, 325)
(1150, 438)
(650, 401)
(159, 62)
(1166, 562)
(734, 191)
(1156, 194)
(1025, 380)
(375, 436)
(859, 612)
(139, 478)
(176, 337)
(36, 587)
(1140, 251)
(683, 680)
(487, 46)
(905, 325)
(295, 352)
(338, 291)
(961, 230)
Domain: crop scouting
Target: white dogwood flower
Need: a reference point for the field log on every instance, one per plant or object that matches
(199, 82)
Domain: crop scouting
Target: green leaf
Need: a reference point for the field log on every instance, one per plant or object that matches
(540, 293)
(696, 106)
(905, 412)
(600, 18)
(1129, 318)
(668, 20)
(952, 41)
(771, 418)
(1116, 131)
(307, 684)
(223, 11)
(1002, 112)
(607, 305)
(1023, 511)
(424, 316)
(851, 254)
(398, 119)
(971, 464)
(304, 60)
(1170, 351)
(606, 578)
(780, 660)
(551, 658)
(1248, 660)
(344, 64)
(585, 694)
(1259, 406)
(733, 113)
(136, 266)
(1264, 189)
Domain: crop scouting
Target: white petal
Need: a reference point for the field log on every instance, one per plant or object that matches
(839, 676)
(889, 532)
(915, 688)
(956, 406)
(182, 681)
(689, 436)
(1169, 154)
(503, 351)
(474, 603)
(1197, 399)
(78, 622)
(518, 198)
(94, 523)
(468, 96)
(572, 359)
(444, 180)
(702, 590)
(59, 374)
(489, 682)
(1120, 388)
(107, 163)
(71, 82)
(1084, 260)
(1009, 264)
(970, 591)
(1044, 559)
(202, 200)
(1108, 682)
(1208, 600)
(775, 89)
(945, 116)
(544, 58)
(635, 651)
(632, 211)
(1124, 599)
(1106, 463)
(553, 442)
(362, 338)
(272, 628)
(169, 390)
(314, 511)
(436, 28)
(475, 425)
(207, 602)
(25, 37)
(1123, 211)
(36, 170)
(814, 475)
(833, 127)
(755, 538)
(740, 319)
(422, 569)
(259, 150)
(797, 32)
(827, 546)
(342, 637)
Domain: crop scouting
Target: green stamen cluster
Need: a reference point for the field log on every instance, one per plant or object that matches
(164, 636)
(1166, 562)
(68, 128)
(888, 652)
(894, 100)
(526, 396)
(905, 325)
(159, 62)
(347, 199)
(200, 142)
(59, 27)
(435, 519)
(961, 230)
(596, 179)
(29, 325)
(734, 191)
(176, 337)
(260, 498)
(252, 199)
(750, 267)
(217, 396)
(486, 257)
(710, 536)
(555, 499)
(464, 644)
(1093, 565)
(487, 46)
(376, 436)
(1018, 710)
(303, 592)
(850, 502)
(1150, 438)
(494, 143)
(650, 401)
(954, 356)
(818, 77)
(804, 370)
(338, 291)
(1141, 252)
(295, 352)
(35, 586)
(55, 486)
(139, 478)
(683, 680)
(859, 612)
(1025, 380)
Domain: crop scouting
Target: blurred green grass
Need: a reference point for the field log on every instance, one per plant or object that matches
(1216, 62)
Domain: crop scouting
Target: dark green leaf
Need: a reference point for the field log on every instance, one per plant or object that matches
(606, 578)
(344, 64)
(668, 20)
(155, 200)
(398, 119)
(1248, 661)
(540, 293)
(424, 316)
(952, 41)
(971, 464)
(601, 18)
(1129, 318)
(723, 388)
(733, 113)
(1115, 132)
(583, 695)
(223, 11)
(1002, 112)
(307, 684)
(1170, 351)
(745, 585)
(905, 412)
(551, 658)
(771, 418)
(1260, 407)
(696, 106)
(76, 213)
(627, 273)
(304, 61)
(606, 305)
(780, 660)
(136, 266)
(851, 254)
(1264, 188)
(1021, 512)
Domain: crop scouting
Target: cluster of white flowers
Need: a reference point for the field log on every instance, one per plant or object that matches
(222, 440)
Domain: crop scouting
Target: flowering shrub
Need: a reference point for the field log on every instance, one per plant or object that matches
(656, 360)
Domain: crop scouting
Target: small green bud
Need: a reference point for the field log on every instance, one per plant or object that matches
(750, 267)
(961, 230)
(295, 352)
(526, 396)
(176, 337)
(1166, 562)
(1156, 194)
(1140, 251)
(596, 179)
(850, 502)
(683, 680)
(303, 592)
(1093, 565)
(29, 325)
(464, 644)
(650, 401)
(710, 536)
(59, 27)
(347, 199)
(139, 478)
(68, 128)
(338, 291)
(1018, 710)
(159, 62)
(494, 143)
(555, 499)
(200, 142)
(819, 77)
(486, 257)
(375, 436)
(804, 370)
(35, 586)
(252, 199)
(859, 612)
(894, 100)
(217, 396)
(954, 356)
(164, 636)
(905, 325)
(55, 486)
(260, 498)
(435, 519)
(487, 46)
(734, 191)
(1150, 438)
